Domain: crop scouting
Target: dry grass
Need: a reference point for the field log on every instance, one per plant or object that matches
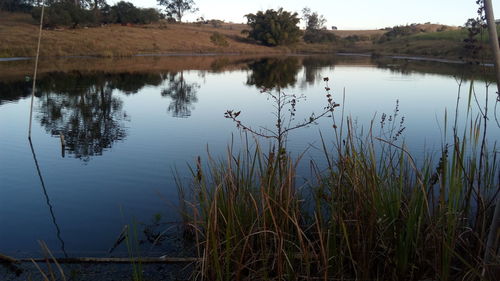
(19, 36)
(345, 33)
(19, 33)
(378, 32)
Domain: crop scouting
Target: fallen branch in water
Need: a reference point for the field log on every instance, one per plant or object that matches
(162, 259)
(7, 259)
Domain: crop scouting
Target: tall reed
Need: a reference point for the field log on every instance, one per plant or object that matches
(372, 213)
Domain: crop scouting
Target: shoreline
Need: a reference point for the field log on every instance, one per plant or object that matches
(213, 54)
(340, 54)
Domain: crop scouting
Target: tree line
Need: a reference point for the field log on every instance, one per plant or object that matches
(94, 12)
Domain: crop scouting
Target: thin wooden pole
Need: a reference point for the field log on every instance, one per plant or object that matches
(492, 32)
(36, 69)
(491, 247)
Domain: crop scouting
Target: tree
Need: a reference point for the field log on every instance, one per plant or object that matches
(177, 8)
(124, 12)
(65, 13)
(313, 20)
(16, 5)
(315, 28)
(273, 28)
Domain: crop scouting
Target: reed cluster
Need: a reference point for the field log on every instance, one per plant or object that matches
(370, 213)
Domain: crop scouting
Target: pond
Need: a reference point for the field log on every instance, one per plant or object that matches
(129, 125)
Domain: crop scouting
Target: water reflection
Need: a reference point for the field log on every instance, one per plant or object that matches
(313, 67)
(132, 83)
(272, 73)
(84, 110)
(182, 94)
(47, 200)
(458, 70)
(14, 90)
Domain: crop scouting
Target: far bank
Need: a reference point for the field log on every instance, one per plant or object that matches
(19, 33)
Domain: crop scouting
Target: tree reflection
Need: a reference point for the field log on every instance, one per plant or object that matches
(132, 83)
(14, 90)
(270, 73)
(91, 119)
(313, 67)
(83, 108)
(182, 94)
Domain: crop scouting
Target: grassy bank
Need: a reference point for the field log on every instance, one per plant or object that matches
(433, 41)
(371, 213)
(19, 36)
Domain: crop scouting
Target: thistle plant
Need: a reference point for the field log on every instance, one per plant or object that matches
(285, 108)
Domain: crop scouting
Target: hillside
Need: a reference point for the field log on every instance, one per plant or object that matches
(19, 34)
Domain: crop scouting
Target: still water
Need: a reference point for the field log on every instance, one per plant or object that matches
(128, 124)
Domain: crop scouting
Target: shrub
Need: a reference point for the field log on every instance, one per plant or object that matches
(216, 23)
(149, 15)
(399, 31)
(219, 39)
(273, 28)
(319, 36)
(124, 12)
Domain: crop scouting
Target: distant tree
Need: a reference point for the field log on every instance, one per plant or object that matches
(273, 28)
(125, 12)
(16, 5)
(149, 15)
(313, 20)
(177, 8)
(65, 13)
(98, 4)
(315, 28)
(399, 31)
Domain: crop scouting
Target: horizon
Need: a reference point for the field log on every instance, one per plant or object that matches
(341, 14)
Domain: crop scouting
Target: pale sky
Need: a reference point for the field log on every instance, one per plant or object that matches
(345, 14)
